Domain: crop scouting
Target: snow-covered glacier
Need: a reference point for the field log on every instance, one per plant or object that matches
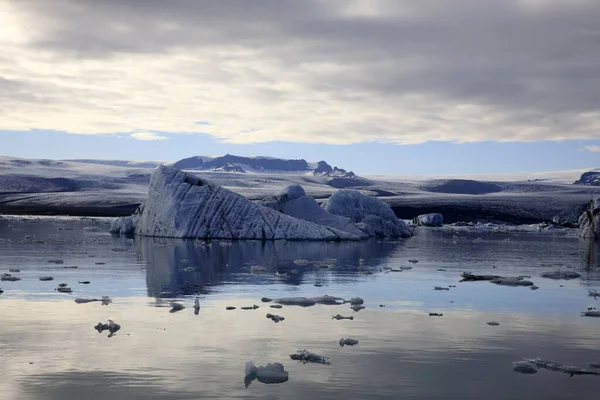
(181, 205)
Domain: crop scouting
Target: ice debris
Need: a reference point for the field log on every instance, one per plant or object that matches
(275, 318)
(493, 323)
(524, 367)
(9, 278)
(339, 317)
(590, 314)
(434, 219)
(348, 342)
(306, 356)
(561, 275)
(356, 301)
(269, 374)
(276, 306)
(560, 367)
(112, 327)
(310, 301)
(176, 307)
(594, 293)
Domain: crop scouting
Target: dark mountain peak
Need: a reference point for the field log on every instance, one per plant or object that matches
(590, 178)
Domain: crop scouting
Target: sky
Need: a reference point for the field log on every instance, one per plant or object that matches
(379, 87)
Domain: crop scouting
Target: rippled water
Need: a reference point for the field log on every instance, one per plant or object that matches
(49, 349)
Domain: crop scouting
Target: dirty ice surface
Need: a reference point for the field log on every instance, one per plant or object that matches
(51, 350)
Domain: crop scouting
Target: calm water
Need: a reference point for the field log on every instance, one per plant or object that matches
(49, 349)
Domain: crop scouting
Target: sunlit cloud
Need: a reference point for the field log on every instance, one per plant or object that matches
(593, 149)
(399, 72)
(147, 136)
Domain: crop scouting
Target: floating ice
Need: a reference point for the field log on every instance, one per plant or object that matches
(269, 374)
(524, 367)
(561, 275)
(429, 220)
(307, 357)
(348, 342)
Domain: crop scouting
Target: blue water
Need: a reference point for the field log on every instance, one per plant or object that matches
(49, 349)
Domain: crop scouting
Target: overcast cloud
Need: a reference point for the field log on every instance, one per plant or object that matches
(304, 71)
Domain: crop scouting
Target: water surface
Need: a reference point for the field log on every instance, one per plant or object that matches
(49, 349)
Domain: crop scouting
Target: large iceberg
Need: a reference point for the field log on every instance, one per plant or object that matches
(369, 214)
(181, 205)
(589, 221)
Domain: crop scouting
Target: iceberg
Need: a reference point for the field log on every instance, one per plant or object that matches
(369, 214)
(589, 221)
(181, 205)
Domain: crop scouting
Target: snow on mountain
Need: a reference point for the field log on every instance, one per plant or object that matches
(119, 163)
(589, 178)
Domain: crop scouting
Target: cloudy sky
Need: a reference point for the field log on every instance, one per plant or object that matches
(392, 86)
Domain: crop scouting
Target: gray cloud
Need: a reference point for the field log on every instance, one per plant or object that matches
(335, 72)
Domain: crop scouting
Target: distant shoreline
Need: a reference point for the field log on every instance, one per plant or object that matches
(452, 213)
(74, 211)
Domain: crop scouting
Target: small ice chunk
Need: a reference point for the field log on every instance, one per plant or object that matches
(56, 261)
(257, 269)
(348, 342)
(561, 275)
(357, 308)
(275, 318)
(269, 374)
(14, 270)
(307, 357)
(80, 300)
(301, 261)
(356, 301)
(523, 367)
(339, 317)
(594, 293)
(176, 307)
(590, 314)
(511, 281)
(9, 278)
(112, 327)
(440, 288)
(46, 278)
(266, 299)
(493, 323)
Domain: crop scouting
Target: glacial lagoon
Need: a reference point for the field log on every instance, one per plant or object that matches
(50, 349)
